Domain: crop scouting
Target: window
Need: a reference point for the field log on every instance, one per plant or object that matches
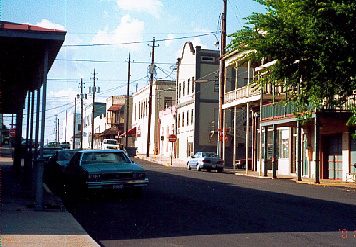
(193, 84)
(187, 117)
(188, 84)
(208, 59)
(192, 116)
(178, 122)
(168, 101)
(183, 89)
(216, 86)
(179, 90)
(182, 119)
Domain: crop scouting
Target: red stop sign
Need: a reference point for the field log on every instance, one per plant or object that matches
(172, 138)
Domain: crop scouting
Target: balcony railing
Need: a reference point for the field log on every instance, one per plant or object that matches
(288, 109)
(239, 93)
(278, 110)
(250, 91)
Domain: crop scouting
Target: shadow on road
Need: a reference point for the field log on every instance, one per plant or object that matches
(175, 205)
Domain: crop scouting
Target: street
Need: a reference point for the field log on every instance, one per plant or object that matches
(191, 208)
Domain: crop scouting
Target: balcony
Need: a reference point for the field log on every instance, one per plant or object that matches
(284, 109)
(251, 93)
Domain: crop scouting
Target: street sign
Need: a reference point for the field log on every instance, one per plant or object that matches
(172, 138)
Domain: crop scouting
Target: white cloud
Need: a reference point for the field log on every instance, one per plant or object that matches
(197, 42)
(50, 25)
(129, 30)
(153, 7)
(63, 95)
(169, 40)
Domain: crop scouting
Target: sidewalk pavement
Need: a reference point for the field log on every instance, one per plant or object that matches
(21, 225)
(241, 172)
(163, 160)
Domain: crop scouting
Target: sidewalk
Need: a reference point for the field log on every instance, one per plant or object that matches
(21, 225)
(323, 182)
(163, 160)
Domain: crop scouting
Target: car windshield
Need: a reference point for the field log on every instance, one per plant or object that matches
(65, 155)
(209, 154)
(112, 142)
(105, 157)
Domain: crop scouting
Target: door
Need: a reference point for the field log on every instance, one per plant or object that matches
(334, 157)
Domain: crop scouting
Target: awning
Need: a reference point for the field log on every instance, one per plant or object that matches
(131, 132)
(115, 107)
(110, 132)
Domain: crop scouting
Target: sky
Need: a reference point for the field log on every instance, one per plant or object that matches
(123, 26)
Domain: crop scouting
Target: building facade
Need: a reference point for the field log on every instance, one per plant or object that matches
(99, 111)
(163, 96)
(279, 140)
(197, 105)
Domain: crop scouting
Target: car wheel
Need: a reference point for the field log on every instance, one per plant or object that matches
(208, 170)
(220, 170)
(188, 166)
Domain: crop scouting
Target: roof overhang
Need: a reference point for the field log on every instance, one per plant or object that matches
(22, 50)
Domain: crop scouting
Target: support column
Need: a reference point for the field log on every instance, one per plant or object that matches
(39, 163)
(253, 141)
(37, 123)
(247, 134)
(26, 150)
(316, 147)
(18, 134)
(274, 152)
(299, 151)
(235, 139)
(265, 140)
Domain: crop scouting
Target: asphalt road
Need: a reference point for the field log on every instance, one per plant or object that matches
(190, 208)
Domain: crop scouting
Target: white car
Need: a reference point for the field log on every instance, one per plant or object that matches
(110, 144)
(206, 160)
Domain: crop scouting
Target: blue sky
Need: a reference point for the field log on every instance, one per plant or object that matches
(116, 22)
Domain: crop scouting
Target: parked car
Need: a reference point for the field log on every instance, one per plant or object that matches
(48, 152)
(91, 170)
(206, 160)
(65, 145)
(54, 169)
(110, 144)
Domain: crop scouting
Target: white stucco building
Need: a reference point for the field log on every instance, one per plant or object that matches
(163, 96)
(167, 122)
(197, 100)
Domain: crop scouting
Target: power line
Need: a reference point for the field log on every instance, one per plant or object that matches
(138, 42)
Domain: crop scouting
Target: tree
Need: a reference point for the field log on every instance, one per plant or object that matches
(313, 43)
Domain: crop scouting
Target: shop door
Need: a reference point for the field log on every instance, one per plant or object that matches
(334, 157)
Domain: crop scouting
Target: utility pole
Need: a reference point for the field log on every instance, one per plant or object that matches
(221, 129)
(81, 113)
(74, 121)
(152, 68)
(58, 130)
(55, 128)
(92, 119)
(65, 129)
(127, 101)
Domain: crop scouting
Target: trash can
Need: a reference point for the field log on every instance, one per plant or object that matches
(131, 151)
